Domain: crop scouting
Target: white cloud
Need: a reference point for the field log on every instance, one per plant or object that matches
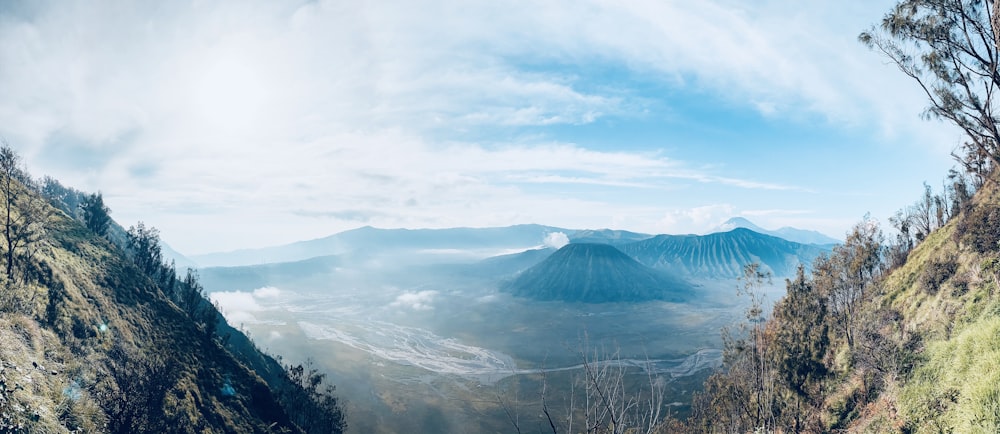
(556, 240)
(239, 306)
(775, 212)
(212, 120)
(420, 300)
(696, 220)
(215, 71)
(236, 301)
(267, 292)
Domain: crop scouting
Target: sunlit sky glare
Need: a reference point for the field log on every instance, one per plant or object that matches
(249, 123)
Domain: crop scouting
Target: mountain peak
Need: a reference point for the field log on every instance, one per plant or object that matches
(738, 222)
(596, 273)
(801, 236)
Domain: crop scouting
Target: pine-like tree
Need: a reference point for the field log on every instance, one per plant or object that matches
(801, 335)
(96, 215)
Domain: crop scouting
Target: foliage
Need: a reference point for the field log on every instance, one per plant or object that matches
(134, 385)
(96, 214)
(978, 228)
(936, 272)
(67, 199)
(106, 339)
(941, 397)
(950, 48)
(932, 211)
(144, 245)
(848, 275)
(778, 376)
(312, 401)
(25, 214)
(801, 333)
(747, 395)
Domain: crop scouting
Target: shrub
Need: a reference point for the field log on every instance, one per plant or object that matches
(978, 229)
(936, 272)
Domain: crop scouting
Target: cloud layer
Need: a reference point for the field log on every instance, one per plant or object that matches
(237, 124)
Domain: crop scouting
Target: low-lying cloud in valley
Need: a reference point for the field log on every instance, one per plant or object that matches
(420, 300)
(239, 306)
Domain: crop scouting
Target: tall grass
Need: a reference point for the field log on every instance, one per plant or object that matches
(958, 387)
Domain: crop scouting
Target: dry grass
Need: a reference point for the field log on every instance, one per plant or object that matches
(89, 309)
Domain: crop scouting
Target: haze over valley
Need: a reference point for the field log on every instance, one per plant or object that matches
(397, 316)
(409, 216)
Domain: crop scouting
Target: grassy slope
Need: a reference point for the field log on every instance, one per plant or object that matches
(92, 312)
(954, 385)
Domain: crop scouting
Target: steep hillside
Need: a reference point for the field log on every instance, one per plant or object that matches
(721, 255)
(596, 273)
(90, 342)
(947, 300)
(877, 338)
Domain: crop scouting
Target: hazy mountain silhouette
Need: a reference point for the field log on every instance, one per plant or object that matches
(596, 273)
(721, 255)
(789, 233)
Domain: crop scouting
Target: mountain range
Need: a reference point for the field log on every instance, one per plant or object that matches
(611, 266)
(467, 244)
(791, 234)
(722, 255)
(373, 240)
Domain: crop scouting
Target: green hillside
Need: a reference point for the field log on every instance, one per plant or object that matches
(947, 295)
(876, 338)
(90, 341)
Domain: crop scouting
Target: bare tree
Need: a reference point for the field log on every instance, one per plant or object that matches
(849, 274)
(923, 212)
(509, 404)
(611, 403)
(747, 355)
(132, 390)
(609, 395)
(25, 213)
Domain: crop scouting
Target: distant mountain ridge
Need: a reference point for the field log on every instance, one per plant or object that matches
(473, 243)
(517, 248)
(370, 239)
(606, 236)
(722, 255)
(596, 273)
(789, 233)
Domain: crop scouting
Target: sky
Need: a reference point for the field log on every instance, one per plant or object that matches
(240, 124)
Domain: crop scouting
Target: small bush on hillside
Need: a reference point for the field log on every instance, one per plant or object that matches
(960, 285)
(937, 272)
(989, 270)
(311, 402)
(978, 229)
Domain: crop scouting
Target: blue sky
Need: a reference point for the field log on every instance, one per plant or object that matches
(242, 124)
